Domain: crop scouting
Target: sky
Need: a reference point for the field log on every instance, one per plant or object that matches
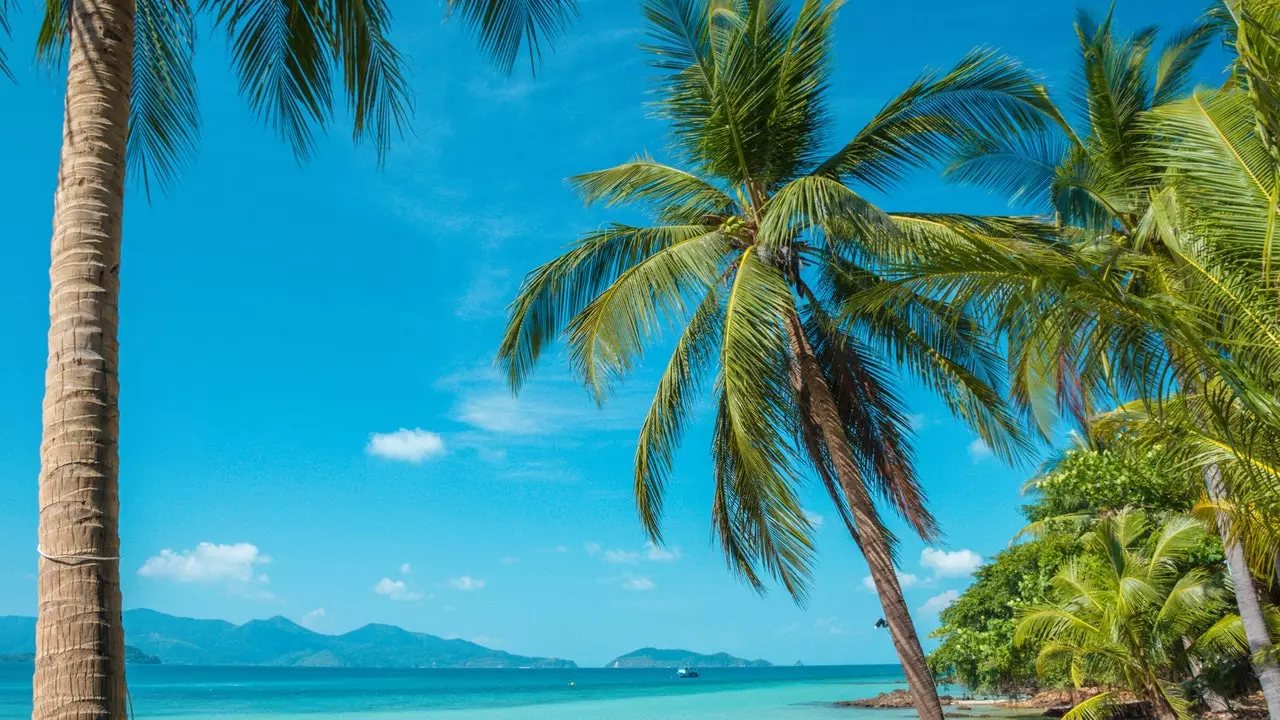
(310, 421)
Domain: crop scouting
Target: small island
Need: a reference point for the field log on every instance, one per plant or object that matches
(659, 658)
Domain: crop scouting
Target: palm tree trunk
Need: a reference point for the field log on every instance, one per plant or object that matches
(1216, 702)
(79, 670)
(870, 533)
(1255, 624)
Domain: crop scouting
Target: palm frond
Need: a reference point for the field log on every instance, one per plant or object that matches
(644, 181)
(668, 413)
(554, 293)
(164, 122)
(986, 94)
(761, 522)
(503, 27)
(608, 337)
(281, 52)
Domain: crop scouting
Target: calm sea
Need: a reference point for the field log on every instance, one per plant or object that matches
(194, 693)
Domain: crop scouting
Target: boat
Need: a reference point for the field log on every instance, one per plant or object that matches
(686, 672)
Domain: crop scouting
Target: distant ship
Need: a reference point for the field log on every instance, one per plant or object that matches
(686, 672)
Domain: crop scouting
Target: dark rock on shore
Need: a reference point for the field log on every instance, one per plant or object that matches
(890, 700)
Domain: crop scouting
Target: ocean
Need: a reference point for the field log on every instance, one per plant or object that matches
(259, 693)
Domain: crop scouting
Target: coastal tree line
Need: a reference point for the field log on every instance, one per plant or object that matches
(1130, 299)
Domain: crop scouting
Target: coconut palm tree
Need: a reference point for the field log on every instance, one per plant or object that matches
(757, 237)
(131, 104)
(1148, 294)
(1125, 610)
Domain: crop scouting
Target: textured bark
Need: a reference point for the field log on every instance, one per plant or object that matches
(870, 533)
(79, 670)
(1255, 624)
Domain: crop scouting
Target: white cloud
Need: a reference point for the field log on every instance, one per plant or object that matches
(939, 602)
(918, 421)
(814, 518)
(406, 569)
(653, 553)
(207, 563)
(978, 450)
(950, 564)
(311, 619)
(829, 625)
(638, 584)
(621, 557)
(466, 582)
(906, 580)
(396, 590)
(413, 445)
(592, 548)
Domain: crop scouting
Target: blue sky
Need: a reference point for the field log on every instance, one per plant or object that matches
(281, 324)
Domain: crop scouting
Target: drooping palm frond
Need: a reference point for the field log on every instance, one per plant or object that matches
(553, 294)
(287, 51)
(753, 454)
(164, 122)
(6, 7)
(503, 27)
(673, 402)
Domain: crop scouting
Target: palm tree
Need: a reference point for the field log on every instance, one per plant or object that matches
(1148, 294)
(131, 101)
(1125, 611)
(756, 241)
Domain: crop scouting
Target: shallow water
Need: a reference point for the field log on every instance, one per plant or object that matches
(253, 693)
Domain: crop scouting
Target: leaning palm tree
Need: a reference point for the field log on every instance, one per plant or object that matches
(756, 241)
(131, 103)
(1126, 611)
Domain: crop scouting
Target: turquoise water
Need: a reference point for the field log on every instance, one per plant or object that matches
(192, 693)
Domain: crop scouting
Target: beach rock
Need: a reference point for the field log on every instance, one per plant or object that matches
(895, 699)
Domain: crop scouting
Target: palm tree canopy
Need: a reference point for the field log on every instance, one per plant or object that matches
(288, 54)
(758, 236)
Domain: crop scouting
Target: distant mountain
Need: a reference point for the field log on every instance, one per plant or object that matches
(656, 658)
(18, 643)
(278, 641)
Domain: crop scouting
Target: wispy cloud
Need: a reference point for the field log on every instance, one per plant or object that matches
(487, 294)
(466, 583)
(957, 563)
(509, 560)
(939, 602)
(406, 569)
(814, 518)
(828, 626)
(979, 451)
(396, 590)
(413, 445)
(653, 553)
(312, 619)
(638, 583)
(647, 553)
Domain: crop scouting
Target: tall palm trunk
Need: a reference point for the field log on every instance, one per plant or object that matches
(79, 636)
(1255, 623)
(870, 533)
